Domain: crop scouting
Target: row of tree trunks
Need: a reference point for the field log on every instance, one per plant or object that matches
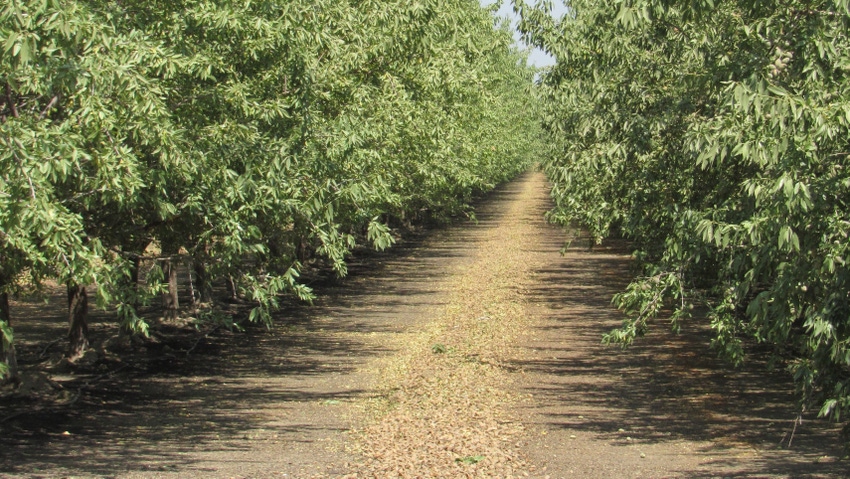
(198, 288)
(78, 308)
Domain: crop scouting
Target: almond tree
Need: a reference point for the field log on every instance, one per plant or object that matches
(245, 138)
(714, 135)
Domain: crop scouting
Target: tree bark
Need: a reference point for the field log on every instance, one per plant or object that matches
(78, 310)
(9, 356)
(170, 299)
(202, 281)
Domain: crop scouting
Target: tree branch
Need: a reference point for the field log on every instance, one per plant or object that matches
(12, 107)
(48, 107)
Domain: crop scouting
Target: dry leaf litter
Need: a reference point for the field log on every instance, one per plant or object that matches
(445, 398)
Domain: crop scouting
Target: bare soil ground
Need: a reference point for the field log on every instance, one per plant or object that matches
(471, 351)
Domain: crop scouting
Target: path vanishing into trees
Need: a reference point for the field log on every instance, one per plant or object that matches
(470, 351)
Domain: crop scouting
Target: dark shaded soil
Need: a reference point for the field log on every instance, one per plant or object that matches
(665, 407)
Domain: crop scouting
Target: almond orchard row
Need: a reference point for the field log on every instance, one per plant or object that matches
(715, 135)
(239, 137)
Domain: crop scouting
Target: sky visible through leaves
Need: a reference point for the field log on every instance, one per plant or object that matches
(538, 57)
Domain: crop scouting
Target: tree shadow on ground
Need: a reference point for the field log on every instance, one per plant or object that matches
(667, 387)
(158, 408)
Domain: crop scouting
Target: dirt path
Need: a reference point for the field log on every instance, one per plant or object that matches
(474, 352)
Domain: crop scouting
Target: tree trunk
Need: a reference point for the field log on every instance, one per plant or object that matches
(134, 280)
(190, 285)
(231, 288)
(78, 310)
(9, 356)
(302, 250)
(202, 281)
(170, 299)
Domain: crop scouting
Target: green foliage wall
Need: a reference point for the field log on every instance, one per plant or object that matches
(716, 136)
(240, 133)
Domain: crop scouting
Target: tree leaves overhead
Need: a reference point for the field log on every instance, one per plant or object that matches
(714, 134)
